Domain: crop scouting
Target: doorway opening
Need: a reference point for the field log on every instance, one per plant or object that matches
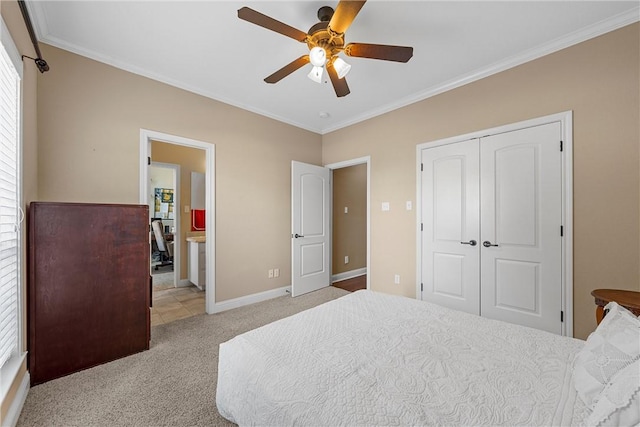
(182, 229)
(350, 224)
(163, 196)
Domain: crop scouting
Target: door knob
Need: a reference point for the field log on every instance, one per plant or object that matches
(487, 243)
(297, 235)
(470, 242)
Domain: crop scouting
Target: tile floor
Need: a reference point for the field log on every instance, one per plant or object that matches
(176, 303)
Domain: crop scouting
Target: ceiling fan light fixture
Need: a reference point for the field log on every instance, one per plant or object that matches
(316, 74)
(325, 40)
(318, 56)
(341, 67)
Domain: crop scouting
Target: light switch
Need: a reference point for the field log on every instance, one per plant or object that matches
(385, 206)
(409, 205)
(186, 208)
(346, 209)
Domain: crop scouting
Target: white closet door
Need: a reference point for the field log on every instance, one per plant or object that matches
(521, 202)
(450, 211)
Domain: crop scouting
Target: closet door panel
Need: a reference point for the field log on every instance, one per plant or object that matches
(521, 218)
(450, 210)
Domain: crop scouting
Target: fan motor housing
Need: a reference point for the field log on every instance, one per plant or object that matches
(319, 35)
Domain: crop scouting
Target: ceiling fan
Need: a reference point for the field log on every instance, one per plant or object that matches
(325, 41)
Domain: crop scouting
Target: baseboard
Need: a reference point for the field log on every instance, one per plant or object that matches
(18, 402)
(250, 299)
(274, 293)
(349, 274)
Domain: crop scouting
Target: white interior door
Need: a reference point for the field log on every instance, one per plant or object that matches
(310, 228)
(450, 238)
(521, 196)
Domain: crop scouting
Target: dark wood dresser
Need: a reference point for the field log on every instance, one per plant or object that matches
(88, 286)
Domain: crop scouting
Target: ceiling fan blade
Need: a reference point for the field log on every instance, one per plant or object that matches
(339, 84)
(287, 69)
(344, 15)
(379, 51)
(269, 23)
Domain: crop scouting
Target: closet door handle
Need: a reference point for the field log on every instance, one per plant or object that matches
(487, 244)
(297, 236)
(470, 242)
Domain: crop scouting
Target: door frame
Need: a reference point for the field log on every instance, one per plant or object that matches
(176, 214)
(146, 136)
(345, 164)
(566, 121)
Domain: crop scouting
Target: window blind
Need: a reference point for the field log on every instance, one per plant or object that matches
(9, 227)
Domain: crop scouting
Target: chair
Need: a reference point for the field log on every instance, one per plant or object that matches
(164, 247)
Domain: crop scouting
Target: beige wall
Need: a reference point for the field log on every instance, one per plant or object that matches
(13, 18)
(190, 160)
(89, 118)
(350, 229)
(599, 80)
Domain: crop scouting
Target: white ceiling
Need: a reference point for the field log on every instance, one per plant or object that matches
(203, 47)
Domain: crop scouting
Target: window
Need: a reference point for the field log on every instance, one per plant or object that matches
(10, 212)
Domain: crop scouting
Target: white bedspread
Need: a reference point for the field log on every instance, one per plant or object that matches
(375, 359)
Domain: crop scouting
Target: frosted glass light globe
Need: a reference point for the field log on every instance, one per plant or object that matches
(316, 74)
(341, 67)
(318, 56)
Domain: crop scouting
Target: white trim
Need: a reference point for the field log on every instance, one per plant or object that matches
(568, 40)
(146, 136)
(566, 122)
(251, 299)
(9, 371)
(123, 65)
(354, 162)
(177, 253)
(348, 274)
(15, 409)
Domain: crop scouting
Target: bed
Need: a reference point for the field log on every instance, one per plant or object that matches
(375, 359)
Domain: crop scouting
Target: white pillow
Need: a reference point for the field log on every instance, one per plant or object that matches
(619, 402)
(613, 346)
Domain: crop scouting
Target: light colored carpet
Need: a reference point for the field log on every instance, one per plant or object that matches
(172, 384)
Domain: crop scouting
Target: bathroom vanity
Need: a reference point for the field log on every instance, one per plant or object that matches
(197, 261)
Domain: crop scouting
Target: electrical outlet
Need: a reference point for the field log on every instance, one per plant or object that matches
(276, 272)
(385, 206)
(346, 259)
(187, 208)
(396, 279)
(270, 274)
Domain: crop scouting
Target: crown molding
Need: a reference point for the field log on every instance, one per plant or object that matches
(582, 35)
(613, 23)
